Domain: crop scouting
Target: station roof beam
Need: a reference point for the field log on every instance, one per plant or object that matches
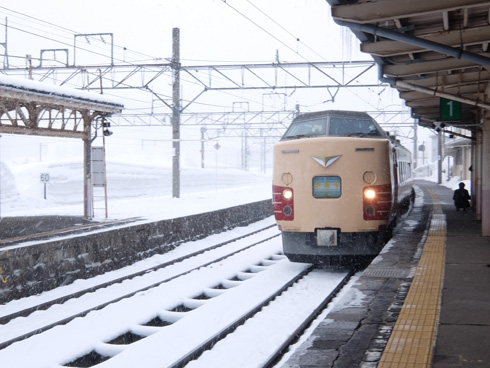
(35, 108)
(435, 48)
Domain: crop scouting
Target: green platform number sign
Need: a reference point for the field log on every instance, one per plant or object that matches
(450, 110)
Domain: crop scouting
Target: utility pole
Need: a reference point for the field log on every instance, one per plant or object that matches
(297, 112)
(263, 152)
(88, 208)
(176, 113)
(415, 144)
(203, 131)
(5, 46)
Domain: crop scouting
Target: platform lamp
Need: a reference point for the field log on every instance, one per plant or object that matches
(105, 126)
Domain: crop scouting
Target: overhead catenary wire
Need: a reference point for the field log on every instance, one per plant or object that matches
(196, 102)
(93, 52)
(67, 44)
(50, 38)
(55, 40)
(263, 29)
(284, 29)
(20, 14)
(283, 43)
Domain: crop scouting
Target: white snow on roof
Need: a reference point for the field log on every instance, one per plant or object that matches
(8, 82)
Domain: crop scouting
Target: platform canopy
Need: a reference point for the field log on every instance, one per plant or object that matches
(427, 49)
(37, 108)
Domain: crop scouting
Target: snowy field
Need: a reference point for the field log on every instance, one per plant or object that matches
(139, 175)
(134, 190)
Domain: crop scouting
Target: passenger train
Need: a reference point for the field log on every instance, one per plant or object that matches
(339, 183)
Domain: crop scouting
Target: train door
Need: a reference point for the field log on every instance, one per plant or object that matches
(395, 183)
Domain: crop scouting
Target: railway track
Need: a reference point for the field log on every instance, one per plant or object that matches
(263, 339)
(172, 313)
(102, 291)
(170, 259)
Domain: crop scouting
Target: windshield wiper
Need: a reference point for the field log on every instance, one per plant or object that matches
(299, 136)
(360, 134)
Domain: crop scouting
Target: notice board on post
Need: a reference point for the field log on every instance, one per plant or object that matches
(98, 167)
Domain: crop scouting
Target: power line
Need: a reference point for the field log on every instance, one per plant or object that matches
(284, 29)
(52, 39)
(263, 29)
(72, 32)
(277, 39)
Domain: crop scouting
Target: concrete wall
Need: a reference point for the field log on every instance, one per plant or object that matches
(30, 269)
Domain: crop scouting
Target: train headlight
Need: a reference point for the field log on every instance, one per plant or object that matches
(369, 194)
(287, 194)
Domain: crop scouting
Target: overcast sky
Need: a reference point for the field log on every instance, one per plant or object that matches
(211, 32)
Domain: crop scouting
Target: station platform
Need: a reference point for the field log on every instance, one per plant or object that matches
(423, 302)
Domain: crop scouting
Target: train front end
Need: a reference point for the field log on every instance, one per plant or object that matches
(333, 194)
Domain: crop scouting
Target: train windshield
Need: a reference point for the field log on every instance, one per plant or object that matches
(333, 127)
(347, 127)
(306, 128)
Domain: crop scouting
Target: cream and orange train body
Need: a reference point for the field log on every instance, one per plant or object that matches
(339, 182)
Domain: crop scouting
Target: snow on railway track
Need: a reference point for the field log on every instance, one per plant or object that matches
(66, 306)
(255, 295)
(24, 306)
(140, 313)
(263, 338)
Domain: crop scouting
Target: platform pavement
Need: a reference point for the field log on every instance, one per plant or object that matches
(12, 227)
(463, 338)
(356, 332)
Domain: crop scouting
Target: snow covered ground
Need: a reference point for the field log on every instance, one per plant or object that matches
(134, 190)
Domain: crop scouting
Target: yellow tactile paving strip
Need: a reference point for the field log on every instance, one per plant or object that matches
(413, 337)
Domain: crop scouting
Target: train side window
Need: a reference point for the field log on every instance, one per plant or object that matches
(327, 187)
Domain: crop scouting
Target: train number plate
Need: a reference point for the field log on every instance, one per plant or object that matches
(326, 237)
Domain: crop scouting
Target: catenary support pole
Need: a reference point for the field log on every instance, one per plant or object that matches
(87, 169)
(415, 144)
(176, 113)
